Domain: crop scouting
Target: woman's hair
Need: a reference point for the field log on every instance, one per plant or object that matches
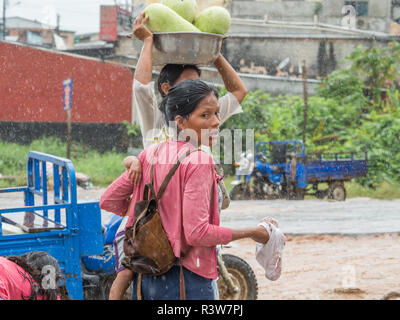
(33, 264)
(171, 72)
(183, 98)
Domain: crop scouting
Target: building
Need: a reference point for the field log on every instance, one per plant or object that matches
(373, 15)
(33, 32)
(31, 91)
(89, 44)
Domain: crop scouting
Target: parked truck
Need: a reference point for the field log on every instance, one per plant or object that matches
(282, 169)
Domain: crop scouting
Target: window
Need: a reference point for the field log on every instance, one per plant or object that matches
(361, 7)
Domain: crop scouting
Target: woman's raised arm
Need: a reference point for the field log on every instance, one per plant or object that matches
(144, 65)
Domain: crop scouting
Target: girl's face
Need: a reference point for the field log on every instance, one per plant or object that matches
(187, 74)
(202, 126)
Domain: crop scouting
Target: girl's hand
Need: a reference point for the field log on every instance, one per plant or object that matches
(140, 30)
(134, 166)
(135, 171)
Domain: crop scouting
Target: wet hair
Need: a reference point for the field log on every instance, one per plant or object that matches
(33, 263)
(183, 98)
(171, 72)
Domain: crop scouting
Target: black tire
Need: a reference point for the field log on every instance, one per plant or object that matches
(242, 276)
(240, 192)
(258, 191)
(337, 191)
(300, 193)
(296, 194)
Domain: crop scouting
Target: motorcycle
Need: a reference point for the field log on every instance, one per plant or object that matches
(236, 278)
(258, 178)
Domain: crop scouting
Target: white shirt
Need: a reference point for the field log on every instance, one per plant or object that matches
(151, 120)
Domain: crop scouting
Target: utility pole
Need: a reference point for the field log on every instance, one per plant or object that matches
(305, 94)
(4, 19)
(58, 24)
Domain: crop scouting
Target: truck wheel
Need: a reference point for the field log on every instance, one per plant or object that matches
(240, 192)
(243, 278)
(337, 191)
(300, 193)
(258, 190)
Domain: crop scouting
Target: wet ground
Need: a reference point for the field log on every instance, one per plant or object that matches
(353, 216)
(331, 247)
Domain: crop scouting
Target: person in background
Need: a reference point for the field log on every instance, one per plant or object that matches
(149, 115)
(33, 275)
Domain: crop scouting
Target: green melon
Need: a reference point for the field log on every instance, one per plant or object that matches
(164, 19)
(213, 19)
(187, 9)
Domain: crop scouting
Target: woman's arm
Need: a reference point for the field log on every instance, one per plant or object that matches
(258, 234)
(196, 213)
(144, 65)
(230, 78)
(144, 98)
(197, 196)
(117, 195)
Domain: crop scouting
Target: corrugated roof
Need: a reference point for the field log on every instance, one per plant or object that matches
(23, 23)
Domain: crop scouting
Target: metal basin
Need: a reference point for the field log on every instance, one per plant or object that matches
(186, 48)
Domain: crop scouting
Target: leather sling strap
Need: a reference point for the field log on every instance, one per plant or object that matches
(150, 188)
(170, 173)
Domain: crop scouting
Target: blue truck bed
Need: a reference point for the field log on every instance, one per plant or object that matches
(68, 228)
(283, 169)
(332, 170)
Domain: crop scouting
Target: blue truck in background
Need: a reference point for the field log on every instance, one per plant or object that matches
(282, 169)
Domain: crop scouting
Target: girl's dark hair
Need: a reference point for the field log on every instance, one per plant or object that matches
(33, 263)
(171, 72)
(184, 97)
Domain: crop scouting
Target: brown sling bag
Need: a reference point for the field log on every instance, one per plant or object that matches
(146, 245)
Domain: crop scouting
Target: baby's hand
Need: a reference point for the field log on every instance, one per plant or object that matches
(134, 166)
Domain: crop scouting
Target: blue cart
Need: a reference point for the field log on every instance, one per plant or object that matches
(53, 220)
(282, 169)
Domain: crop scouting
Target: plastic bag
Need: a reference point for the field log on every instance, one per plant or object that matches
(269, 255)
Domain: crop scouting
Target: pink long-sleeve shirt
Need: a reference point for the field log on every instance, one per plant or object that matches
(187, 198)
(14, 281)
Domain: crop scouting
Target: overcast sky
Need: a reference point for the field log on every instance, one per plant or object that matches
(81, 16)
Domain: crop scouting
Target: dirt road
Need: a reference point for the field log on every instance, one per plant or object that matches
(352, 250)
(330, 267)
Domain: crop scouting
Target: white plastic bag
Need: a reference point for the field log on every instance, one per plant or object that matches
(269, 255)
